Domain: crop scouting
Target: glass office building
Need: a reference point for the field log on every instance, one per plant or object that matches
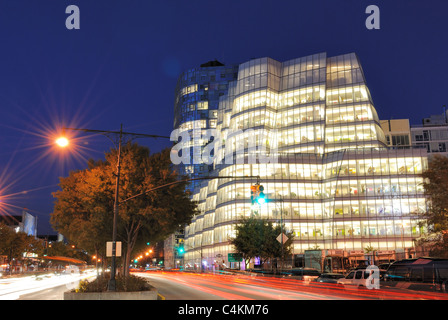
(333, 182)
(196, 106)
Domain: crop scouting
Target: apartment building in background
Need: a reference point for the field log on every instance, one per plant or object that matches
(432, 134)
(397, 132)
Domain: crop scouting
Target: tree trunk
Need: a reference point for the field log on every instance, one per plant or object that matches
(127, 256)
(132, 233)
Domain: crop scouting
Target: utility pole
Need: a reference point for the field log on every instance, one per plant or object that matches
(112, 281)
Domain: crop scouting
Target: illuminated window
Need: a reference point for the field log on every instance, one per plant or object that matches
(190, 89)
(202, 105)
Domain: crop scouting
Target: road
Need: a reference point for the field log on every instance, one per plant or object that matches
(177, 286)
(190, 286)
(53, 293)
(44, 287)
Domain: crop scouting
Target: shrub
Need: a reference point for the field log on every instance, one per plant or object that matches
(123, 284)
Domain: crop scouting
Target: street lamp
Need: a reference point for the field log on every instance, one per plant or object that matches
(112, 282)
(63, 142)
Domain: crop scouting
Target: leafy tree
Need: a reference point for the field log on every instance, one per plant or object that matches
(15, 244)
(436, 188)
(62, 249)
(257, 237)
(83, 209)
(84, 205)
(272, 248)
(58, 248)
(248, 239)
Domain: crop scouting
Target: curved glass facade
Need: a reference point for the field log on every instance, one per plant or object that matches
(334, 183)
(196, 104)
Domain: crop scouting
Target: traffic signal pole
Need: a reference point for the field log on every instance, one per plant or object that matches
(188, 180)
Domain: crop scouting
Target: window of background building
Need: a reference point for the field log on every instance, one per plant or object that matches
(202, 105)
(402, 140)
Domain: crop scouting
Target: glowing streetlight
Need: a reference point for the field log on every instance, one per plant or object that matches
(62, 142)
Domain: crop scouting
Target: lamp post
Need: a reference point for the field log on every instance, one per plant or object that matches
(281, 228)
(63, 142)
(112, 281)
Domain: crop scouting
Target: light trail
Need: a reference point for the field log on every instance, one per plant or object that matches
(238, 287)
(178, 277)
(13, 288)
(266, 292)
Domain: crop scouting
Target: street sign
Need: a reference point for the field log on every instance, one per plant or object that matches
(109, 248)
(282, 238)
(234, 257)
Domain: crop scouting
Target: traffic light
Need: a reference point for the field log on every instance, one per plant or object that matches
(180, 250)
(261, 199)
(257, 195)
(253, 193)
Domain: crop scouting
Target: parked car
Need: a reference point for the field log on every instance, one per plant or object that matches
(424, 274)
(307, 274)
(360, 278)
(384, 266)
(329, 277)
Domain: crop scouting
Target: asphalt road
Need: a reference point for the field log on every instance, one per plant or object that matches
(55, 293)
(190, 286)
(177, 286)
(40, 287)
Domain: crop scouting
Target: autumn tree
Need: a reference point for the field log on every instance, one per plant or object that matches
(257, 237)
(15, 244)
(436, 188)
(84, 206)
(62, 249)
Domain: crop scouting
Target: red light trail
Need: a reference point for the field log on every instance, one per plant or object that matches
(243, 287)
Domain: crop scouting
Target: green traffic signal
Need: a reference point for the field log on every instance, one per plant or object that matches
(257, 195)
(261, 198)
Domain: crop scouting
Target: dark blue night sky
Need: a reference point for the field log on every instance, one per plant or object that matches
(122, 64)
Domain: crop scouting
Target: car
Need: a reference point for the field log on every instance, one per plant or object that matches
(422, 274)
(329, 277)
(152, 268)
(307, 274)
(361, 278)
(384, 266)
